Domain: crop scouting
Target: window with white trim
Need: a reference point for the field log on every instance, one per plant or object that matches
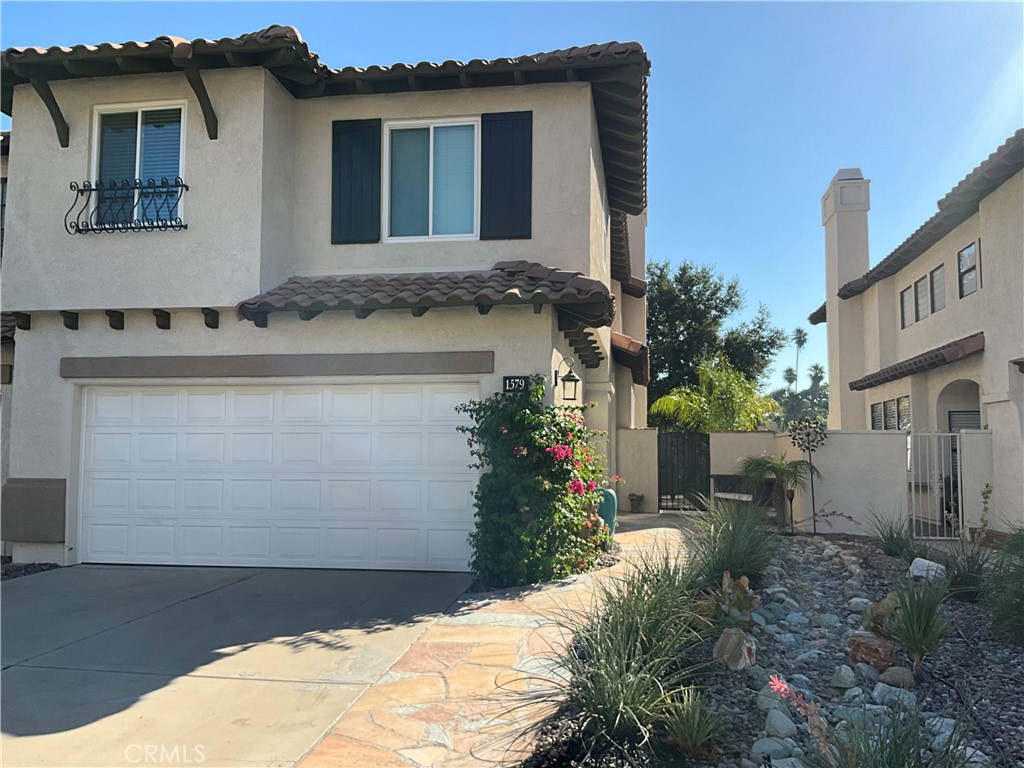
(969, 268)
(143, 145)
(432, 180)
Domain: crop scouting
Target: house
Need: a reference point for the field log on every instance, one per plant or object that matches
(930, 340)
(249, 291)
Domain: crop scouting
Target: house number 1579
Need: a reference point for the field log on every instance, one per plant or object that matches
(514, 383)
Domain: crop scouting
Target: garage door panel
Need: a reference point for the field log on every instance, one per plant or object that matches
(335, 476)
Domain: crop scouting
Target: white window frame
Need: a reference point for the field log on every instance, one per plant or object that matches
(385, 178)
(138, 107)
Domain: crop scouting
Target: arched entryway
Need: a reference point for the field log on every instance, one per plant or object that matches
(958, 406)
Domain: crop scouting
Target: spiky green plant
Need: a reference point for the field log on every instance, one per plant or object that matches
(1002, 591)
(731, 536)
(755, 470)
(690, 725)
(917, 625)
(895, 536)
(966, 566)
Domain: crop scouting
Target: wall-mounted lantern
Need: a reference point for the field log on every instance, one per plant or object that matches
(570, 381)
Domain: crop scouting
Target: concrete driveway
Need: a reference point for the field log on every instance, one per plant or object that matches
(128, 666)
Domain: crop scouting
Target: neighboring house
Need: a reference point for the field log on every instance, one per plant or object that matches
(254, 359)
(931, 339)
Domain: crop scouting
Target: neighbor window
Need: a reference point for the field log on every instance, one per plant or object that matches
(967, 266)
(432, 173)
(906, 307)
(891, 414)
(143, 144)
(921, 299)
(938, 288)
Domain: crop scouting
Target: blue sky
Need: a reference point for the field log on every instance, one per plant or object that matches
(754, 106)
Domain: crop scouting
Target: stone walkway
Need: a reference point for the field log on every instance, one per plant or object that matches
(460, 694)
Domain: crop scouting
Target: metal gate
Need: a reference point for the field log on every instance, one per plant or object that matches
(935, 484)
(684, 469)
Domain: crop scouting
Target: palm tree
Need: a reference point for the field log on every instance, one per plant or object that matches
(789, 376)
(817, 373)
(755, 470)
(800, 339)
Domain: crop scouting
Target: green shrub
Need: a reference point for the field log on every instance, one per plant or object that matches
(731, 536)
(894, 740)
(1002, 591)
(966, 566)
(690, 726)
(917, 625)
(626, 653)
(893, 533)
(536, 500)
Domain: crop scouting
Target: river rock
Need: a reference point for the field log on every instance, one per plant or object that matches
(771, 747)
(858, 604)
(767, 699)
(927, 570)
(867, 673)
(843, 678)
(890, 696)
(777, 723)
(871, 649)
(898, 677)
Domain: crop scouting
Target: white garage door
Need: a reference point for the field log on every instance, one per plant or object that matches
(299, 476)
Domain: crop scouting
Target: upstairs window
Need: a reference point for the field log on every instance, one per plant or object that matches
(432, 180)
(938, 287)
(137, 147)
(921, 299)
(968, 266)
(906, 308)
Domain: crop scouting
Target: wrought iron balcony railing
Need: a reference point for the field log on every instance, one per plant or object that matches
(128, 205)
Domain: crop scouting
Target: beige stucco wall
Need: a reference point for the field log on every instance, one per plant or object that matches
(278, 200)
(561, 180)
(862, 472)
(45, 433)
(728, 448)
(638, 466)
(213, 263)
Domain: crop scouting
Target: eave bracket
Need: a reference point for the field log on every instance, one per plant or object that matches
(195, 79)
(42, 87)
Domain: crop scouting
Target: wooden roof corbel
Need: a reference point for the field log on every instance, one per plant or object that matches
(182, 56)
(42, 87)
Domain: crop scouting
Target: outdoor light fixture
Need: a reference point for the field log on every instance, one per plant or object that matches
(570, 381)
(790, 493)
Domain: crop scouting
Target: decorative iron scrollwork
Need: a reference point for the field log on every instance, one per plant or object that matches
(129, 205)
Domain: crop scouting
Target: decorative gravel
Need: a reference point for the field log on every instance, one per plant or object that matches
(9, 570)
(810, 604)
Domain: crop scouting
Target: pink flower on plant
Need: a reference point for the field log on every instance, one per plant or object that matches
(560, 452)
(504, 431)
(817, 725)
(519, 451)
(591, 485)
(576, 486)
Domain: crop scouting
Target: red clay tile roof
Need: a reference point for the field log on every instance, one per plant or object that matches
(7, 328)
(617, 73)
(947, 353)
(956, 207)
(581, 302)
(632, 354)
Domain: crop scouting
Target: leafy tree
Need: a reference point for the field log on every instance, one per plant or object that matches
(686, 314)
(810, 403)
(817, 373)
(723, 399)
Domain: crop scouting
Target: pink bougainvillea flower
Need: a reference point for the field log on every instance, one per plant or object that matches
(560, 452)
(519, 451)
(504, 431)
(576, 486)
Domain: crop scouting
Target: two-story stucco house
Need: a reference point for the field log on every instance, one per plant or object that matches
(931, 340)
(249, 291)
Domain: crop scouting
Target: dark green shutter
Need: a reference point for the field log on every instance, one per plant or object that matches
(506, 175)
(355, 182)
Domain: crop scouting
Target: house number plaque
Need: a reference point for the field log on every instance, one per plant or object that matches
(515, 383)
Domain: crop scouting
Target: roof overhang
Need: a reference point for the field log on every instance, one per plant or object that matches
(616, 72)
(818, 316)
(632, 354)
(926, 361)
(581, 302)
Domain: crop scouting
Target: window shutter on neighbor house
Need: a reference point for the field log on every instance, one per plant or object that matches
(355, 181)
(506, 175)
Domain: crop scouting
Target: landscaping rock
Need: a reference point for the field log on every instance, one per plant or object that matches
(858, 604)
(854, 694)
(871, 649)
(789, 605)
(777, 723)
(771, 747)
(807, 657)
(829, 620)
(736, 649)
(843, 678)
(928, 570)
(889, 696)
(829, 552)
(866, 672)
(898, 677)
(767, 699)
(797, 619)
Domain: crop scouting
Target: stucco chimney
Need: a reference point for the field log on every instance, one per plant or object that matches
(844, 215)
